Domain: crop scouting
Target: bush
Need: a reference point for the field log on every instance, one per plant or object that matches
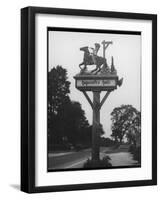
(132, 148)
(137, 154)
(104, 163)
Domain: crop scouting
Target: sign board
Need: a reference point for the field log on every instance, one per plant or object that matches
(96, 83)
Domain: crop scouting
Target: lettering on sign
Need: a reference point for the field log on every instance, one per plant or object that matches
(96, 83)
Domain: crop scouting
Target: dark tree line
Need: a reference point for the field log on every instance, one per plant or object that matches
(67, 124)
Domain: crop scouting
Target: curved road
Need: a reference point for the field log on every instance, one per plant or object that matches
(69, 160)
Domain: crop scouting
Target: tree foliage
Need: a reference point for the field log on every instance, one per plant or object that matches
(74, 121)
(66, 119)
(126, 121)
(58, 96)
(58, 89)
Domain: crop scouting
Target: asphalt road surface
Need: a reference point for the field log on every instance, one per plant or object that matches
(71, 160)
(68, 160)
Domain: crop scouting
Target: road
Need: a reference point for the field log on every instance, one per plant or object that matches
(71, 160)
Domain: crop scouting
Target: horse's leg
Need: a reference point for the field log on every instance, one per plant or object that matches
(81, 65)
(85, 66)
(95, 69)
(99, 64)
(99, 68)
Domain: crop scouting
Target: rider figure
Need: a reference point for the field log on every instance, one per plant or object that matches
(94, 52)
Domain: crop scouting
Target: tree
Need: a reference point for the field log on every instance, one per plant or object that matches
(106, 141)
(134, 133)
(58, 90)
(74, 121)
(100, 130)
(66, 119)
(126, 121)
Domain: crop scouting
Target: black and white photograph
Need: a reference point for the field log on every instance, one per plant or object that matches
(93, 99)
(88, 99)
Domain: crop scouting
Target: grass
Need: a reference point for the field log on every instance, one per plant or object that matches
(136, 152)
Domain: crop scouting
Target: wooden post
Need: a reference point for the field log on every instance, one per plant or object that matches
(96, 107)
(105, 45)
(96, 123)
(104, 49)
(97, 103)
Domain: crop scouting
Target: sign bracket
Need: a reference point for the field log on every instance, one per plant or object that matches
(104, 99)
(88, 99)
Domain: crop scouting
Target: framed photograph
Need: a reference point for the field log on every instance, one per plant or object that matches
(88, 99)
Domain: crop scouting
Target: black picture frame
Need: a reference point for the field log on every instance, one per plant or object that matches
(28, 91)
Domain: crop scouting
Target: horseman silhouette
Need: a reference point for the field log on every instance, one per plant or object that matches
(92, 58)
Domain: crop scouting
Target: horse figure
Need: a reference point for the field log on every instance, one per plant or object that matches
(88, 60)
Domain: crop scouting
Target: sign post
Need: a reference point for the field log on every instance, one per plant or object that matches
(103, 80)
(96, 84)
(95, 127)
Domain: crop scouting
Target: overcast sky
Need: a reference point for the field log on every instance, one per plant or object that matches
(126, 50)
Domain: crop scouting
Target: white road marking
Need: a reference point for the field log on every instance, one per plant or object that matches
(59, 154)
(77, 163)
